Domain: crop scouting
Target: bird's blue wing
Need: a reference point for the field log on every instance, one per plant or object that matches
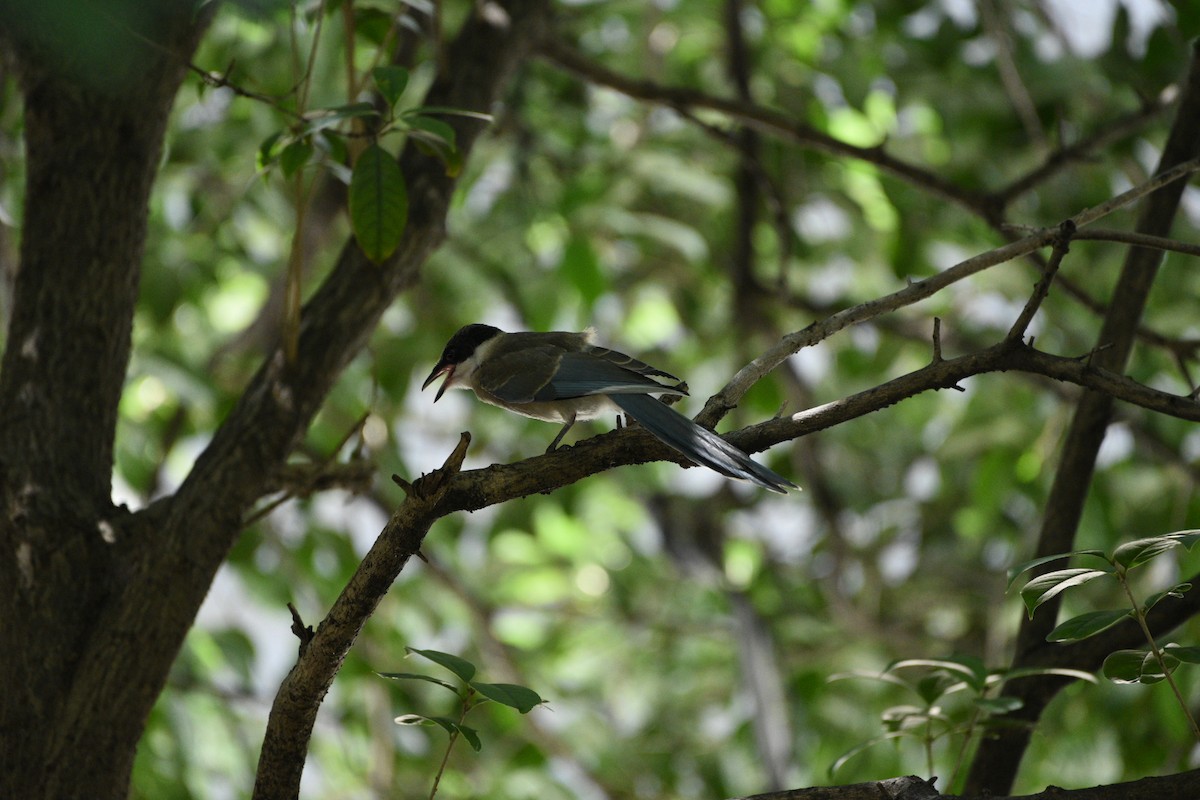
(628, 362)
(581, 374)
(549, 371)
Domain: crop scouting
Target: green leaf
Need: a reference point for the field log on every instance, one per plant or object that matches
(435, 138)
(1086, 625)
(323, 118)
(454, 112)
(932, 687)
(459, 666)
(391, 81)
(998, 705)
(414, 676)
(266, 150)
(1044, 587)
(1124, 666)
(1030, 672)
(1137, 666)
(334, 144)
(436, 148)
(472, 737)
(1025, 566)
(852, 752)
(450, 726)
(294, 156)
(882, 677)
(1188, 655)
(1176, 591)
(430, 129)
(1139, 551)
(378, 204)
(974, 671)
(904, 716)
(445, 723)
(521, 698)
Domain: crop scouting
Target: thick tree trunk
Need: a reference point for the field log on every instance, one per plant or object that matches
(98, 85)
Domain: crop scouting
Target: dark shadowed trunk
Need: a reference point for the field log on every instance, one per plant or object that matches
(96, 109)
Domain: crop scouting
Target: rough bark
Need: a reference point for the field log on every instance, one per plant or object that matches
(95, 114)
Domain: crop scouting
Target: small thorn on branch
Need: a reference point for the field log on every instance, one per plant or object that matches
(429, 485)
(303, 632)
(1087, 357)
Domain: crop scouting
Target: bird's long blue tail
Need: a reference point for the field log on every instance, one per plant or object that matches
(698, 444)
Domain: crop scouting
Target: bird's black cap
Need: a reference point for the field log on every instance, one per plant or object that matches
(460, 347)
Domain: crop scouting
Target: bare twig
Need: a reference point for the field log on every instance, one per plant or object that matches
(1058, 160)
(1010, 76)
(1140, 240)
(1061, 246)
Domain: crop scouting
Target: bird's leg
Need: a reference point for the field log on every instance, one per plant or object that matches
(566, 427)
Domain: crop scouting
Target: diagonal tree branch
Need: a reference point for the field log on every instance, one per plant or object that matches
(988, 206)
(294, 711)
(472, 490)
(764, 119)
(740, 383)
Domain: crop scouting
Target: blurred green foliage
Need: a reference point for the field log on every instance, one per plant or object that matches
(631, 600)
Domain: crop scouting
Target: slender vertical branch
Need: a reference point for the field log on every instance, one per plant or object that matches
(1062, 246)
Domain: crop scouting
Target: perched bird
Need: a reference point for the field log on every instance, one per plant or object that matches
(563, 377)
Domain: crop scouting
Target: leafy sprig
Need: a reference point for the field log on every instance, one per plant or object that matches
(1152, 665)
(471, 694)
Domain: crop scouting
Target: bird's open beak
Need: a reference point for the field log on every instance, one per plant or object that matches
(441, 368)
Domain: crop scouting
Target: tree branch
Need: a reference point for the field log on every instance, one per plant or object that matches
(997, 759)
(294, 711)
(1181, 786)
(989, 206)
(472, 490)
(763, 119)
(740, 383)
